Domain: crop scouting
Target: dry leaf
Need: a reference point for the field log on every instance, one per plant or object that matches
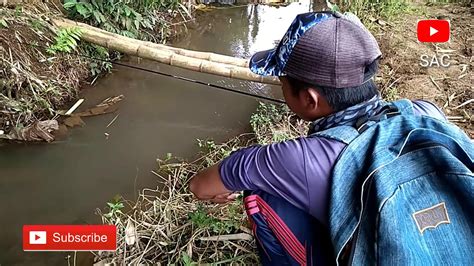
(38, 131)
(130, 233)
(108, 105)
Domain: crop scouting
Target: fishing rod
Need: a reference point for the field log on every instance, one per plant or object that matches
(171, 76)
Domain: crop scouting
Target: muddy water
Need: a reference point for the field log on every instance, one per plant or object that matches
(63, 182)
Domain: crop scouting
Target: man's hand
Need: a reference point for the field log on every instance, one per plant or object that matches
(225, 198)
(207, 185)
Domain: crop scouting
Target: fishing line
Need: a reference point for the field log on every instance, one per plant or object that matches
(173, 76)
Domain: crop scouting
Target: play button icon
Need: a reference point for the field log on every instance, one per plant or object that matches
(37, 237)
(433, 30)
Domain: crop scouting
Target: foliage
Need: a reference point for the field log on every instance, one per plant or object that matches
(274, 123)
(266, 115)
(186, 260)
(172, 226)
(130, 18)
(18, 10)
(114, 209)
(390, 94)
(201, 219)
(33, 84)
(66, 40)
(184, 222)
(3, 23)
(37, 24)
(217, 151)
(100, 58)
(367, 8)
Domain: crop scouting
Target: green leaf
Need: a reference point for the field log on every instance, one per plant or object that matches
(89, 7)
(95, 4)
(147, 24)
(136, 14)
(50, 50)
(76, 36)
(128, 24)
(333, 7)
(98, 16)
(102, 17)
(187, 261)
(3, 23)
(72, 43)
(69, 3)
(127, 10)
(82, 10)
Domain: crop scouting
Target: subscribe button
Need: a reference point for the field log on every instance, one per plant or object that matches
(69, 237)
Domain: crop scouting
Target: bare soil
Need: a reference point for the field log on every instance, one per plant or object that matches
(402, 76)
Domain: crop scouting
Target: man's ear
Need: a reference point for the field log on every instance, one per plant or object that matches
(311, 99)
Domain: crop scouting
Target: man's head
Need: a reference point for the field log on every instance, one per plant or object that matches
(325, 62)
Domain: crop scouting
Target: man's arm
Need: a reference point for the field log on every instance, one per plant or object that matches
(276, 168)
(280, 169)
(207, 185)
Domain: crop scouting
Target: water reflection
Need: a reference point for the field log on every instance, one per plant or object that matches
(246, 29)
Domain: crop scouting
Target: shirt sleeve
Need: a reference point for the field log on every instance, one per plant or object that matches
(284, 169)
(423, 107)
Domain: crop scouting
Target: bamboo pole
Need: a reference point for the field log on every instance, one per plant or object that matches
(205, 62)
(218, 58)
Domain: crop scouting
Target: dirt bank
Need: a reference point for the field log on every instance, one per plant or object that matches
(43, 67)
(33, 83)
(402, 76)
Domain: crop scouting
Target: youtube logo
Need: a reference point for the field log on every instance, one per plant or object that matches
(433, 30)
(69, 237)
(37, 237)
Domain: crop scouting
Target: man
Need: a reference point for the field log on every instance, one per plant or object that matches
(326, 63)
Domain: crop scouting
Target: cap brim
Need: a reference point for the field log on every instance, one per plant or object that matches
(265, 63)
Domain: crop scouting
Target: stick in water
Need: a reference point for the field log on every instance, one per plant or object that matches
(74, 107)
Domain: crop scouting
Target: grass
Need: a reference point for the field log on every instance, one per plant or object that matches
(171, 227)
(274, 123)
(378, 8)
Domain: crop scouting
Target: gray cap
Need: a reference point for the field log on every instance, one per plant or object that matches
(322, 48)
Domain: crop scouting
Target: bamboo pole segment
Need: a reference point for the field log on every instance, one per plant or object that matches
(210, 63)
(218, 58)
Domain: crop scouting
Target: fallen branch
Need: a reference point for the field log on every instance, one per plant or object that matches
(240, 236)
(74, 107)
(464, 103)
